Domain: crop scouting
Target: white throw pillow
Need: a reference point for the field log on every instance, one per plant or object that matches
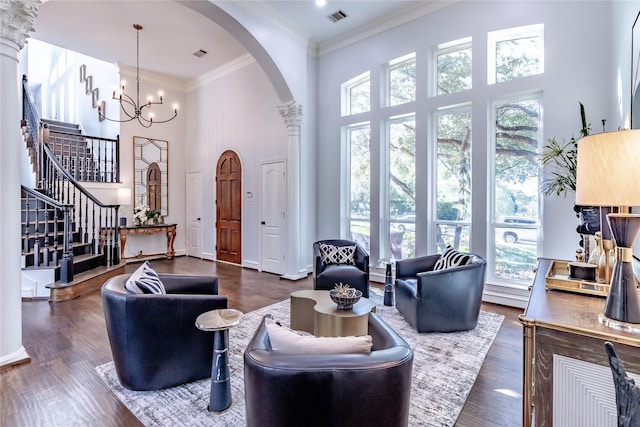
(331, 254)
(145, 281)
(285, 340)
(451, 258)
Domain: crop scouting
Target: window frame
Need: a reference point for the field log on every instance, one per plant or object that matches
(494, 37)
(443, 49)
(346, 89)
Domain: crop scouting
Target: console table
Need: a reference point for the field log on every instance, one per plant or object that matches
(169, 229)
(566, 368)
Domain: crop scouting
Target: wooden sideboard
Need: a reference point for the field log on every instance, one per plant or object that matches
(168, 229)
(561, 327)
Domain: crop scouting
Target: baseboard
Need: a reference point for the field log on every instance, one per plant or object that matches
(15, 358)
(503, 295)
(251, 264)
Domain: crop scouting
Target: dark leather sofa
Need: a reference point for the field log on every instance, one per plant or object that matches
(153, 337)
(439, 301)
(356, 276)
(370, 389)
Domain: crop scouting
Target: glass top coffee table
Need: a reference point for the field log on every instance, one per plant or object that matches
(314, 312)
(219, 321)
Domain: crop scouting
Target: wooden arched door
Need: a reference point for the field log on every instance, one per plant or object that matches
(229, 208)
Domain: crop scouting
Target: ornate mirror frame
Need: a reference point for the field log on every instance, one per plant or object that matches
(151, 173)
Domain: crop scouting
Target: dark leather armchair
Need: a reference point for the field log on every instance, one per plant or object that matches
(153, 337)
(371, 389)
(439, 301)
(356, 276)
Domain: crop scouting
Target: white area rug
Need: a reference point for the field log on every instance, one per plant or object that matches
(445, 367)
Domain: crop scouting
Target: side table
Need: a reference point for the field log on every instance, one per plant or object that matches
(314, 312)
(219, 321)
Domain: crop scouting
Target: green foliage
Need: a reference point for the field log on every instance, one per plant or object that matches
(560, 158)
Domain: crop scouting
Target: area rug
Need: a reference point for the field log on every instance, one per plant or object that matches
(445, 367)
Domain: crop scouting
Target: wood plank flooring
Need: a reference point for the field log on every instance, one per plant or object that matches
(67, 340)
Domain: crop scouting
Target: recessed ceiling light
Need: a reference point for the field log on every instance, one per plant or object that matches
(321, 3)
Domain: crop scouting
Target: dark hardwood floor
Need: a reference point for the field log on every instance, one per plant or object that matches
(67, 340)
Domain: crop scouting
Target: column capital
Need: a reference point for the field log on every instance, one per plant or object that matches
(16, 19)
(291, 113)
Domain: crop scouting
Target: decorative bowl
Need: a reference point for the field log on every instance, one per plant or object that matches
(345, 302)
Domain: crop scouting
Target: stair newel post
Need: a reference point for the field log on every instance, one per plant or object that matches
(66, 265)
(85, 237)
(25, 241)
(36, 237)
(93, 229)
(56, 219)
(116, 245)
(45, 252)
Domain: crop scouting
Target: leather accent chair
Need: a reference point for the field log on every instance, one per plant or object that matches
(439, 301)
(153, 337)
(356, 276)
(371, 389)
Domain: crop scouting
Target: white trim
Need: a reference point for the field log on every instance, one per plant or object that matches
(383, 24)
(510, 296)
(221, 71)
(19, 356)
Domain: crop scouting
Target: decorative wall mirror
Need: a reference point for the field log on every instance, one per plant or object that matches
(151, 173)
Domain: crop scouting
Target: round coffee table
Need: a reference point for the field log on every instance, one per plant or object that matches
(219, 321)
(315, 312)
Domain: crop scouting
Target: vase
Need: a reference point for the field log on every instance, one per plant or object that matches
(150, 221)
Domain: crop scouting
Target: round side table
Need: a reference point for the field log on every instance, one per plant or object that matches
(219, 321)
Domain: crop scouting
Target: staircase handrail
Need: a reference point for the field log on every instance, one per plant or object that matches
(84, 136)
(73, 181)
(31, 119)
(43, 197)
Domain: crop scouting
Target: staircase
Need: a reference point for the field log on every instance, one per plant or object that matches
(69, 238)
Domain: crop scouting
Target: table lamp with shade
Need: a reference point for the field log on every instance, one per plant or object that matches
(608, 175)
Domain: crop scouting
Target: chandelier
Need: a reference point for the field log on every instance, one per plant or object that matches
(130, 107)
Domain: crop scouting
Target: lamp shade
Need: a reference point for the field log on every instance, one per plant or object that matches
(608, 169)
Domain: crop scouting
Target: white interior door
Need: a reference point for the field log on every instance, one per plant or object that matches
(194, 214)
(273, 211)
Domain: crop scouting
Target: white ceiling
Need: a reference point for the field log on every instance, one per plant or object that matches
(172, 32)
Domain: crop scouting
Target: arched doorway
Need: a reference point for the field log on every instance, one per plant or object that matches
(229, 208)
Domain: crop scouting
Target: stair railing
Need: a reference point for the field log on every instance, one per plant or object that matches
(85, 219)
(92, 221)
(88, 158)
(43, 232)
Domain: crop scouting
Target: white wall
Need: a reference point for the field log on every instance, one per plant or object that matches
(174, 132)
(578, 56)
(237, 111)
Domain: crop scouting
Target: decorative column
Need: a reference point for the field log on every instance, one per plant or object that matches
(292, 113)
(16, 20)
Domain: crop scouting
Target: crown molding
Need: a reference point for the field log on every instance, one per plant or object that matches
(379, 26)
(221, 71)
(150, 76)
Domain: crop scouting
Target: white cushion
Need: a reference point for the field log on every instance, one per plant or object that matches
(285, 340)
(451, 258)
(145, 281)
(331, 254)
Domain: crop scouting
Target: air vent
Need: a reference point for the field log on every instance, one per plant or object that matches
(200, 53)
(337, 16)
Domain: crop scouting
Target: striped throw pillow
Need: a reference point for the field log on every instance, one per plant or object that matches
(145, 281)
(451, 258)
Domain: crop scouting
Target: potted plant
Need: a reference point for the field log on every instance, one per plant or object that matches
(561, 158)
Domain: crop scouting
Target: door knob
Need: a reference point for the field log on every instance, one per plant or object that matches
(198, 218)
(263, 223)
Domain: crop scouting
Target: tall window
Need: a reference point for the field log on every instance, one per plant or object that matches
(356, 95)
(516, 53)
(401, 153)
(516, 199)
(359, 161)
(453, 179)
(401, 80)
(453, 67)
